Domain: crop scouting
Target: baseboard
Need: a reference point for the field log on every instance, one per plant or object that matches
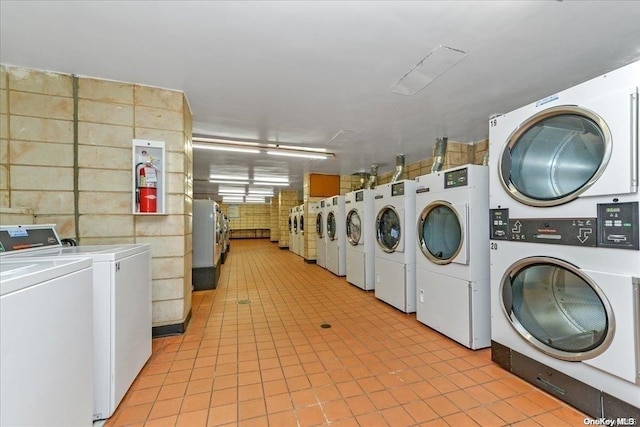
(168, 330)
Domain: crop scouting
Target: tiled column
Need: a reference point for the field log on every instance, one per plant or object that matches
(274, 221)
(287, 199)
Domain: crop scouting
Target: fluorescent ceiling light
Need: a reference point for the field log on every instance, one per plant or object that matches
(262, 191)
(272, 184)
(223, 141)
(241, 178)
(428, 69)
(226, 148)
(296, 147)
(298, 154)
(223, 181)
(233, 199)
(271, 178)
(238, 191)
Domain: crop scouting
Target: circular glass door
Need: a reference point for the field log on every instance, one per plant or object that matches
(557, 308)
(388, 229)
(354, 227)
(295, 224)
(555, 156)
(301, 224)
(319, 225)
(439, 232)
(331, 226)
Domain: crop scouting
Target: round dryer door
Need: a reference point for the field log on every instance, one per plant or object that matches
(557, 309)
(388, 229)
(331, 226)
(319, 225)
(301, 224)
(295, 225)
(354, 227)
(555, 156)
(440, 232)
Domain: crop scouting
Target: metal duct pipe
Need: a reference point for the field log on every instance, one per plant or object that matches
(438, 155)
(399, 168)
(373, 177)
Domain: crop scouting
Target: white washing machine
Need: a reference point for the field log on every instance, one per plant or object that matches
(122, 321)
(321, 234)
(310, 255)
(301, 245)
(207, 244)
(290, 223)
(452, 261)
(46, 365)
(360, 233)
(565, 260)
(336, 236)
(395, 251)
(294, 243)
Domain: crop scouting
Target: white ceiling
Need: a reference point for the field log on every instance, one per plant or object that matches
(300, 72)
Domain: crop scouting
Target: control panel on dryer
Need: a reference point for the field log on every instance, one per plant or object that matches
(618, 225)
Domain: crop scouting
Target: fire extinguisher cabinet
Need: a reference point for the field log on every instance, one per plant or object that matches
(149, 184)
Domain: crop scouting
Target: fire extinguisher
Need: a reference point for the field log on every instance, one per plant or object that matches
(146, 187)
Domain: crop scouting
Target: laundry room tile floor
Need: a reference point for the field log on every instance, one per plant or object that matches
(256, 354)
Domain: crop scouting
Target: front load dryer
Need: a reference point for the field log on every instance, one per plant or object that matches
(290, 225)
(564, 242)
(321, 232)
(122, 320)
(294, 242)
(360, 233)
(336, 236)
(452, 260)
(395, 249)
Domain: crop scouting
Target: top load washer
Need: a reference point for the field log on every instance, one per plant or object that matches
(452, 262)
(46, 318)
(360, 233)
(336, 236)
(395, 251)
(321, 242)
(122, 323)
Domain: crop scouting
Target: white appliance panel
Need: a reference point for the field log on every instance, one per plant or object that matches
(46, 364)
(356, 271)
(455, 307)
(395, 284)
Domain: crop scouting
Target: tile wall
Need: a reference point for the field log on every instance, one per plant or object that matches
(274, 220)
(287, 199)
(253, 220)
(65, 154)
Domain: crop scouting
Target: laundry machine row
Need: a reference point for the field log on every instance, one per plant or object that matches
(336, 235)
(564, 244)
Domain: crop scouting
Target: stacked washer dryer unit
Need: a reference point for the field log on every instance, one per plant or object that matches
(452, 263)
(395, 251)
(336, 236)
(122, 322)
(565, 264)
(321, 232)
(301, 245)
(360, 232)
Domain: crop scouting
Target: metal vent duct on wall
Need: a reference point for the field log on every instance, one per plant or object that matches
(438, 155)
(373, 177)
(399, 168)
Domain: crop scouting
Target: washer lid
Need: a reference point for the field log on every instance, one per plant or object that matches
(20, 273)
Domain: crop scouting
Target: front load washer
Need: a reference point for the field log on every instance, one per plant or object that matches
(46, 318)
(294, 243)
(360, 234)
(290, 225)
(301, 243)
(312, 234)
(336, 236)
(122, 322)
(564, 241)
(452, 261)
(395, 251)
(321, 232)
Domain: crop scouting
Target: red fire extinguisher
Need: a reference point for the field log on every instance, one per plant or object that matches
(147, 187)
